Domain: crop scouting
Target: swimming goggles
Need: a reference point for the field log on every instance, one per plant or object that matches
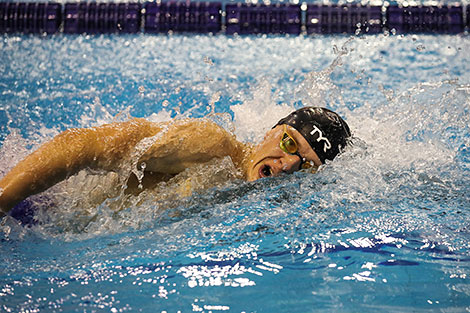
(290, 146)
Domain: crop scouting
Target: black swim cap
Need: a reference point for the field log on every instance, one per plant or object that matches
(325, 131)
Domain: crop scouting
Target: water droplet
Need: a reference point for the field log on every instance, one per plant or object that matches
(335, 49)
(207, 60)
(420, 48)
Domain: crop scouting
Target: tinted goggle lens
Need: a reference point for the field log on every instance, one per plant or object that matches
(288, 144)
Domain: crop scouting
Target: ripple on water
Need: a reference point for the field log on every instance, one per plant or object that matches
(390, 215)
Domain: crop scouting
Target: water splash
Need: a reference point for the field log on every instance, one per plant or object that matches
(318, 89)
(257, 115)
(14, 149)
(413, 139)
(392, 207)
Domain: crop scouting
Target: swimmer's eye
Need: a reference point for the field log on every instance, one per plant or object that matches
(288, 144)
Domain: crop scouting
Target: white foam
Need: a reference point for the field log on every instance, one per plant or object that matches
(414, 130)
(257, 115)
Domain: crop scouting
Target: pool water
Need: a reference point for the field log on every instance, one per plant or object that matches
(383, 227)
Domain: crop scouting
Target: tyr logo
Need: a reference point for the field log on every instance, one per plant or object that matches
(326, 142)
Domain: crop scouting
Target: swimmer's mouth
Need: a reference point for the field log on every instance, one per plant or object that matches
(265, 171)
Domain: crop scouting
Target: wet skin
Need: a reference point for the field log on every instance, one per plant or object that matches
(166, 149)
(268, 159)
(172, 148)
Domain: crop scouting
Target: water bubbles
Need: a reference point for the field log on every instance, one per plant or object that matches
(258, 90)
(420, 48)
(358, 30)
(215, 98)
(257, 114)
(390, 196)
(208, 60)
(389, 93)
(335, 49)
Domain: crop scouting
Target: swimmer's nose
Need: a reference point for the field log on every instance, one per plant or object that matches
(286, 164)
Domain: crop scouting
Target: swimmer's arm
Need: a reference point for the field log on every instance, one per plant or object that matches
(100, 147)
(172, 150)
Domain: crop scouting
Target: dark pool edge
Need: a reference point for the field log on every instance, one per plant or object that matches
(231, 18)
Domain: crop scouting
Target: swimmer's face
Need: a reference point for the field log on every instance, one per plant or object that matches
(268, 159)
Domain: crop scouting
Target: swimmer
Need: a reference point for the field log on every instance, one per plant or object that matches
(304, 139)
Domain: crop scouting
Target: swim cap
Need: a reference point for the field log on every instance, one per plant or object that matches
(324, 130)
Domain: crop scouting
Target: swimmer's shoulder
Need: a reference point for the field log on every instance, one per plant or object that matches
(183, 124)
(183, 143)
(189, 128)
(198, 135)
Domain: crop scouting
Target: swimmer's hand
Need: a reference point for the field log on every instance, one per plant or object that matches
(174, 147)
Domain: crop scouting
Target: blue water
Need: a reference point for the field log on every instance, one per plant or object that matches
(384, 227)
